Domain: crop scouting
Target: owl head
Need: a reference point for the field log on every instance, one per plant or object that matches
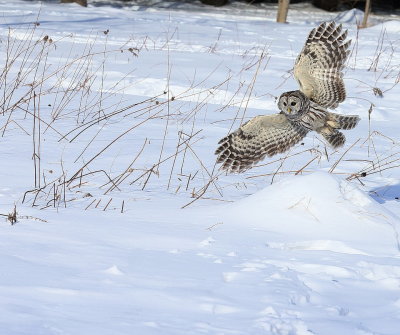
(293, 104)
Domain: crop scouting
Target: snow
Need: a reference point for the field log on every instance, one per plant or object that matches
(353, 16)
(304, 243)
(304, 206)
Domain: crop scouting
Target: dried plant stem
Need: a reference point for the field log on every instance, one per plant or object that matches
(127, 171)
(341, 157)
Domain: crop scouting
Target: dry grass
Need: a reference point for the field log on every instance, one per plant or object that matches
(43, 94)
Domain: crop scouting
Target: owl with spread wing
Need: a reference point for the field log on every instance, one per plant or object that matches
(318, 70)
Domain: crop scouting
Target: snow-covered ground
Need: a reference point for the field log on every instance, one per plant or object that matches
(109, 121)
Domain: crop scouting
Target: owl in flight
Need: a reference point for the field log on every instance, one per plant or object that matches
(318, 70)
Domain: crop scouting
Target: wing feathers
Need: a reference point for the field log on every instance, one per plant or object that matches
(319, 65)
(318, 69)
(262, 136)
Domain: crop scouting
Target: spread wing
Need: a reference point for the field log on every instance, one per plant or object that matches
(262, 136)
(318, 68)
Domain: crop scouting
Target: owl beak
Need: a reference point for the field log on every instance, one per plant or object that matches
(289, 110)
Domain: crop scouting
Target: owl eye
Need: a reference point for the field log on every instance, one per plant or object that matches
(292, 103)
(284, 103)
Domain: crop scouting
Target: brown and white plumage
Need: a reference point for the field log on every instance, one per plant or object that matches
(318, 71)
(318, 66)
(262, 136)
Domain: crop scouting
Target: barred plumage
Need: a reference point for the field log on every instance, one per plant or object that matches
(335, 138)
(315, 116)
(345, 122)
(319, 65)
(318, 71)
(261, 136)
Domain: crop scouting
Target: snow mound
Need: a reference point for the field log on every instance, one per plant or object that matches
(354, 16)
(320, 209)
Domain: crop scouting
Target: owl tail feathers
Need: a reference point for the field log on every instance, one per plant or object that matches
(345, 122)
(335, 138)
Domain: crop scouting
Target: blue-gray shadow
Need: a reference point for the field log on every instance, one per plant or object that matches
(386, 193)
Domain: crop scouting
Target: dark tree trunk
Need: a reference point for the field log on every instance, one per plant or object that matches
(329, 5)
(215, 2)
(80, 2)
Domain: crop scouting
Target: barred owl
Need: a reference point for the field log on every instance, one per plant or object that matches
(318, 71)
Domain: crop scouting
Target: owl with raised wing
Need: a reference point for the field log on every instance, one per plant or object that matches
(318, 70)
